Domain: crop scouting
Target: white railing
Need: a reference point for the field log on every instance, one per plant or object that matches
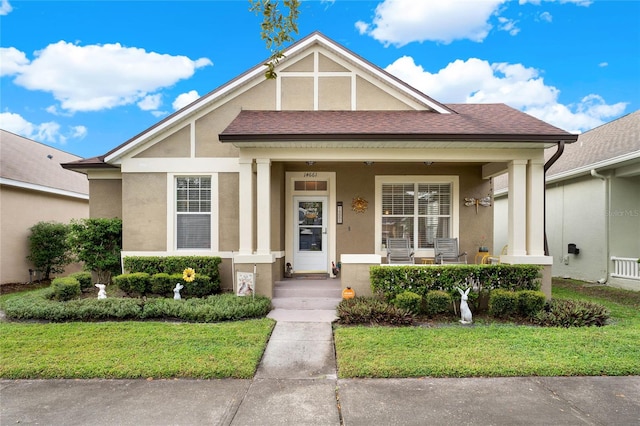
(625, 267)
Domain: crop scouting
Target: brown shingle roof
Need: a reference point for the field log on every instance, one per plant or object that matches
(27, 161)
(482, 122)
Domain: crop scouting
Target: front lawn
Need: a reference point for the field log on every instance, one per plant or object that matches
(133, 349)
(500, 349)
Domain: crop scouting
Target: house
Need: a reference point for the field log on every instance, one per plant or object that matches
(321, 165)
(593, 206)
(34, 188)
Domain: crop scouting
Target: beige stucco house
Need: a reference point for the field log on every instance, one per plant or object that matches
(34, 188)
(322, 165)
(593, 202)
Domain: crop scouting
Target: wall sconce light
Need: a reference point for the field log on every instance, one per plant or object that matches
(428, 163)
(310, 163)
(368, 163)
(572, 249)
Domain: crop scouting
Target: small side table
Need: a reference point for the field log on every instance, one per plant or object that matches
(481, 257)
(427, 261)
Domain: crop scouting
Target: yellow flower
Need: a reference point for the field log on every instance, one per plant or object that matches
(189, 275)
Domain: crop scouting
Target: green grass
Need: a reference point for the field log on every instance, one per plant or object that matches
(500, 350)
(132, 349)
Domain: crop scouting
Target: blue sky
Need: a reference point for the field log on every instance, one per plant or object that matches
(85, 76)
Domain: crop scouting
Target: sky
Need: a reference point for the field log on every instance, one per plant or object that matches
(86, 76)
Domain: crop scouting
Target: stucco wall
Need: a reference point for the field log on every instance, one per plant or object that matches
(624, 217)
(228, 187)
(106, 198)
(175, 145)
(144, 211)
(20, 210)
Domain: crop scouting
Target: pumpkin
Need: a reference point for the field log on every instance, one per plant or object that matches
(348, 293)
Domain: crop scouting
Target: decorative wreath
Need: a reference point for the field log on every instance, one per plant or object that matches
(359, 205)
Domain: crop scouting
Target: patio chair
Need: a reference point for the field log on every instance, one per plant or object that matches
(399, 251)
(446, 250)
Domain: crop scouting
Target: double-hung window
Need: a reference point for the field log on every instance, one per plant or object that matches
(418, 210)
(193, 212)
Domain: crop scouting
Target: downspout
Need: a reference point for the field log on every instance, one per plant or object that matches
(607, 198)
(547, 166)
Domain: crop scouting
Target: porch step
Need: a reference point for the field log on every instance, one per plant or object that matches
(307, 294)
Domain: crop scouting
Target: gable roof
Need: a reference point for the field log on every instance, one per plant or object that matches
(29, 164)
(609, 144)
(470, 122)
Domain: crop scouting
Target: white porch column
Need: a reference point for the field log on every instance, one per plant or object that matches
(517, 208)
(535, 207)
(245, 216)
(263, 205)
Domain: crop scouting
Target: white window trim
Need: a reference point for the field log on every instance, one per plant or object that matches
(425, 179)
(171, 212)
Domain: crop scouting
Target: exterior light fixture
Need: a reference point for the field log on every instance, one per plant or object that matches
(428, 163)
(368, 163)
(310, 163)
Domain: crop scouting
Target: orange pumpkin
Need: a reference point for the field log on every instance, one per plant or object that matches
(348, 293)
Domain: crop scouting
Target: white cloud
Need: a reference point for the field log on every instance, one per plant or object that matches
(48, 132)
(184, 99)
(478, 81)
(508, 25)
(97, 77)
(12, 60)
(603, 64)
(5, 8)
(577, 2)
(399, 22)
(545, 16)
(150, 102)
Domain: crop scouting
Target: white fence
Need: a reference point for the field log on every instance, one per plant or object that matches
(625, 267)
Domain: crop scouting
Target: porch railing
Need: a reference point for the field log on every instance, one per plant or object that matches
(625, 267)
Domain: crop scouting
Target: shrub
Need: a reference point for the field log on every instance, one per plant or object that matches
(530, 302)
(409, 301)
(49, 249)
(205, 265)
(503, 303)
(201, 286)
(137, 283)
(572, 313)
(97, 242)
(225, 307)
(367, 310)
(84, 278)
(162, 284)
(437, 302)
(65, 288)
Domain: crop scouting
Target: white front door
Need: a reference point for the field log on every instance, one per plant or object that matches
(310, 234)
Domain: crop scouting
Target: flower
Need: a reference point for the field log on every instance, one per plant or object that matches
(189, 275)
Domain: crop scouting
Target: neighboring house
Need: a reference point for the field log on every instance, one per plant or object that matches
(593, 201)
(321, 165)
(34, 188)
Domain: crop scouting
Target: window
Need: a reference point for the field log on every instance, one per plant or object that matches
(193, 212)
(420, 211)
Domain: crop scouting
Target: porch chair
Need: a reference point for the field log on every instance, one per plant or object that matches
(446, 250)
(399, 251)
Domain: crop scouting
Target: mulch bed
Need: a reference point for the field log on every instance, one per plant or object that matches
(16, 287)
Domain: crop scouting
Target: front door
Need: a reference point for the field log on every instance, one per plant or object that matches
(310, 234)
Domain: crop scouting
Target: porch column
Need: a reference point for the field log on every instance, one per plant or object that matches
(245, 216)
(517, 208)
(263, 205)
(535, 207)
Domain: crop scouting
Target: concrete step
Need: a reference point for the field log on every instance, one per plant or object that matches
(305, 303)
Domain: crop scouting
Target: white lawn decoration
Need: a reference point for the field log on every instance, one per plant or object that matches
(102, 293)
(465, 312)
(176, 291)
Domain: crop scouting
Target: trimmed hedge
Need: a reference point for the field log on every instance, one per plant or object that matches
(162, 284)
(390, 281)
(64, 288)
(84, 278)
(135, 284)
(369, 310)
(408, 301)
(226, 307)
(523, 303)
(206, 265)
(437, 302)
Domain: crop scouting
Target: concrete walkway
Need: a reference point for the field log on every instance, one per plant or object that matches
(296, 383)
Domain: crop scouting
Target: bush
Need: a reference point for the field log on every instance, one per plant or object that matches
(367, 310)
(163, 284)
(409, 301)
(572, 313)
(97, 242)
(227, 307)
(201, 286)
(437, 302)
(49, 249)
(503, 303)
(133, 284)
(84, 278)
(65, 288)
(205, 265)
(530, 302)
